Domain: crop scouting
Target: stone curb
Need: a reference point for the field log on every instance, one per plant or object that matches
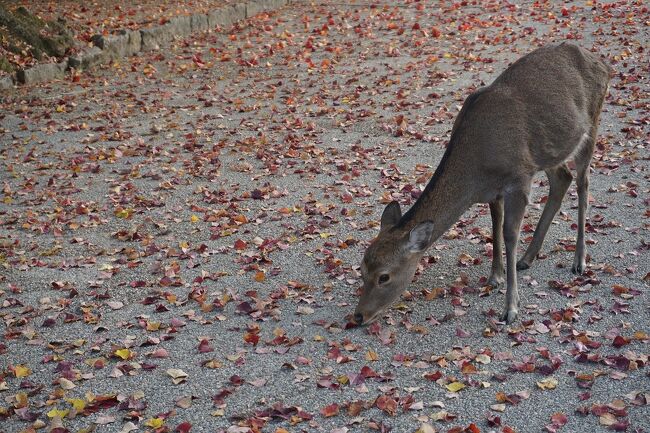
(6, 82)
(43, 72)
(130, 42)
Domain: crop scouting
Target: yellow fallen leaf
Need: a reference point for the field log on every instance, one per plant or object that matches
(153, 326)
(548, 383)
(455, 386)
(371, 356)
(77, 403)
(22, 371)
(123, 213)
(194, 219)
(57, 413)
(21, 400)
(123, 353)
(155, 422)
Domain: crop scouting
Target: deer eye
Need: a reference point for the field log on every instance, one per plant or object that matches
(383, 278)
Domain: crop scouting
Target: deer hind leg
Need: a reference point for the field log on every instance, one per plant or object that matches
(514, 207)
(583, 161)
(559, 179)
(497, 275)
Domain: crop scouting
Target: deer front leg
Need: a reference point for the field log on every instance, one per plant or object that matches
(514, 207)
(497, 276)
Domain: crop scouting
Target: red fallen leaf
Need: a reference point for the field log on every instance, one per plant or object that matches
(435, 32)
(326, 382)
(620, 307)
(493, 420)
(183, 427)
(355, 407)
(49, 322)
(557, 421)
(472, 428)
(159, 353)
(218, 398)
(257, 194)
(204, 346)
(584, 381)
(240, 245)
(331, 410)
(461, 333)
(386, 404)
(468, 368)
(244, 308)
(236, 380)
(368, 372)
(433, 376)
(350, 325)
(100, 402)
(251, 338)
(620, 341)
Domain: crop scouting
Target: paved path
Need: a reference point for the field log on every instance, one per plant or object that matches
(180, 234)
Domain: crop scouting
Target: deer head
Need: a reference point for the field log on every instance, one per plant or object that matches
(389, 263)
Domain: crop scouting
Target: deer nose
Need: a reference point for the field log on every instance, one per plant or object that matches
(358, 318)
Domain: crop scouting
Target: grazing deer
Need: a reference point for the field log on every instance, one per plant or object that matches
(538, 114)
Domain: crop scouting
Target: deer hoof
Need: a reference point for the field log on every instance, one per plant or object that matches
(579, 268)
(496, 281)
(509, 316)
(522, 265)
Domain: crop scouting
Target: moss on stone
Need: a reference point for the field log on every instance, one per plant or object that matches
(24, 33)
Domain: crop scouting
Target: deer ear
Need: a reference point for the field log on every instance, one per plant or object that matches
(420, 237)
(391, 215)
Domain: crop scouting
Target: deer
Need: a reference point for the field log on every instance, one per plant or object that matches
(541, 113)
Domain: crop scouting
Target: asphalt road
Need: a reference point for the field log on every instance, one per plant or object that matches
(206, 207)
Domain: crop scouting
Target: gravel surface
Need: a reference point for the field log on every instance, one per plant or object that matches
(204, 208)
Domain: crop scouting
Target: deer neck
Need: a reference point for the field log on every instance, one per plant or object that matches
(446, 197)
